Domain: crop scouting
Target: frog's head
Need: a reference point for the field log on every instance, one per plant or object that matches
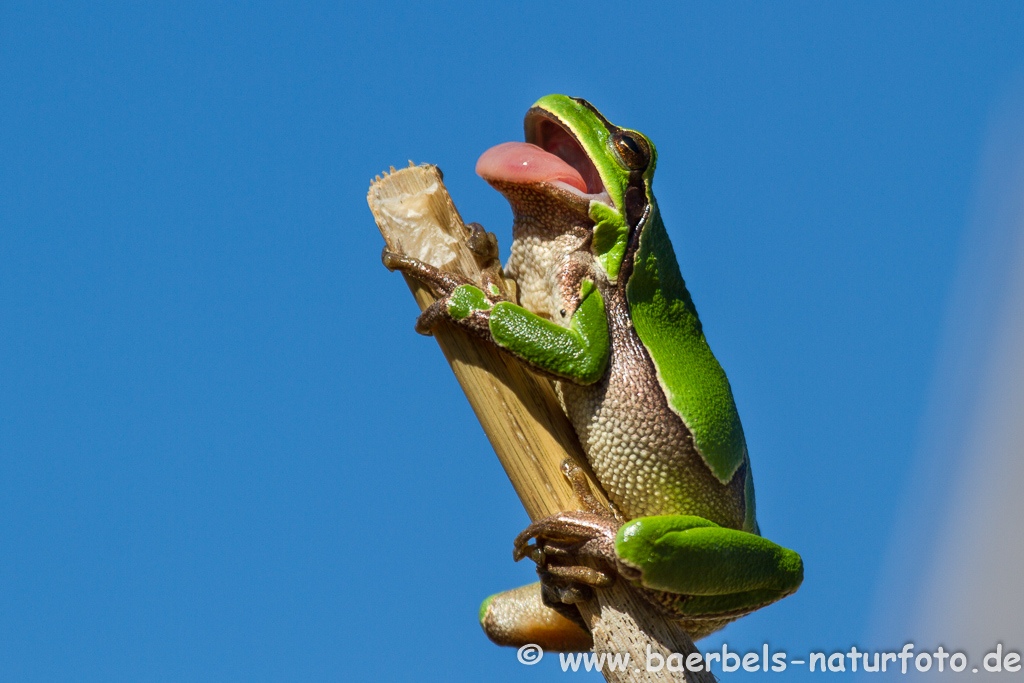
(586, 164)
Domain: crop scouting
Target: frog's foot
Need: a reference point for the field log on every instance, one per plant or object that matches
(482, 244)
(574, 552)
(441, 282)
(460, 300)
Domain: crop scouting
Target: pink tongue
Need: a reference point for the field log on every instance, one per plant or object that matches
(521, 162)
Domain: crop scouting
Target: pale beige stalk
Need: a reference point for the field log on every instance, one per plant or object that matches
(518, 411)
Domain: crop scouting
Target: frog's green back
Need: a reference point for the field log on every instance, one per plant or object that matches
(695, 384)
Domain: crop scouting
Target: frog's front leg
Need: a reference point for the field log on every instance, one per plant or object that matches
(460, 299)
(577, 350)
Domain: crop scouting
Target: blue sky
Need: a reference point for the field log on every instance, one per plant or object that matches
(224, 453)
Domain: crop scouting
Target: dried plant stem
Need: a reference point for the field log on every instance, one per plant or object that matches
(518, 411)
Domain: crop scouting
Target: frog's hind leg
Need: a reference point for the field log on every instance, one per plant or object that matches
(520, 616)
(701, 571)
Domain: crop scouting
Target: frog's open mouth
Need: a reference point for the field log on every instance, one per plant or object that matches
(550, 155)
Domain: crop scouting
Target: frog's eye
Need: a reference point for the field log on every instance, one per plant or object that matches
(632, 149)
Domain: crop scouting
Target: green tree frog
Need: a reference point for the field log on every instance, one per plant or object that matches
(604, 311)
